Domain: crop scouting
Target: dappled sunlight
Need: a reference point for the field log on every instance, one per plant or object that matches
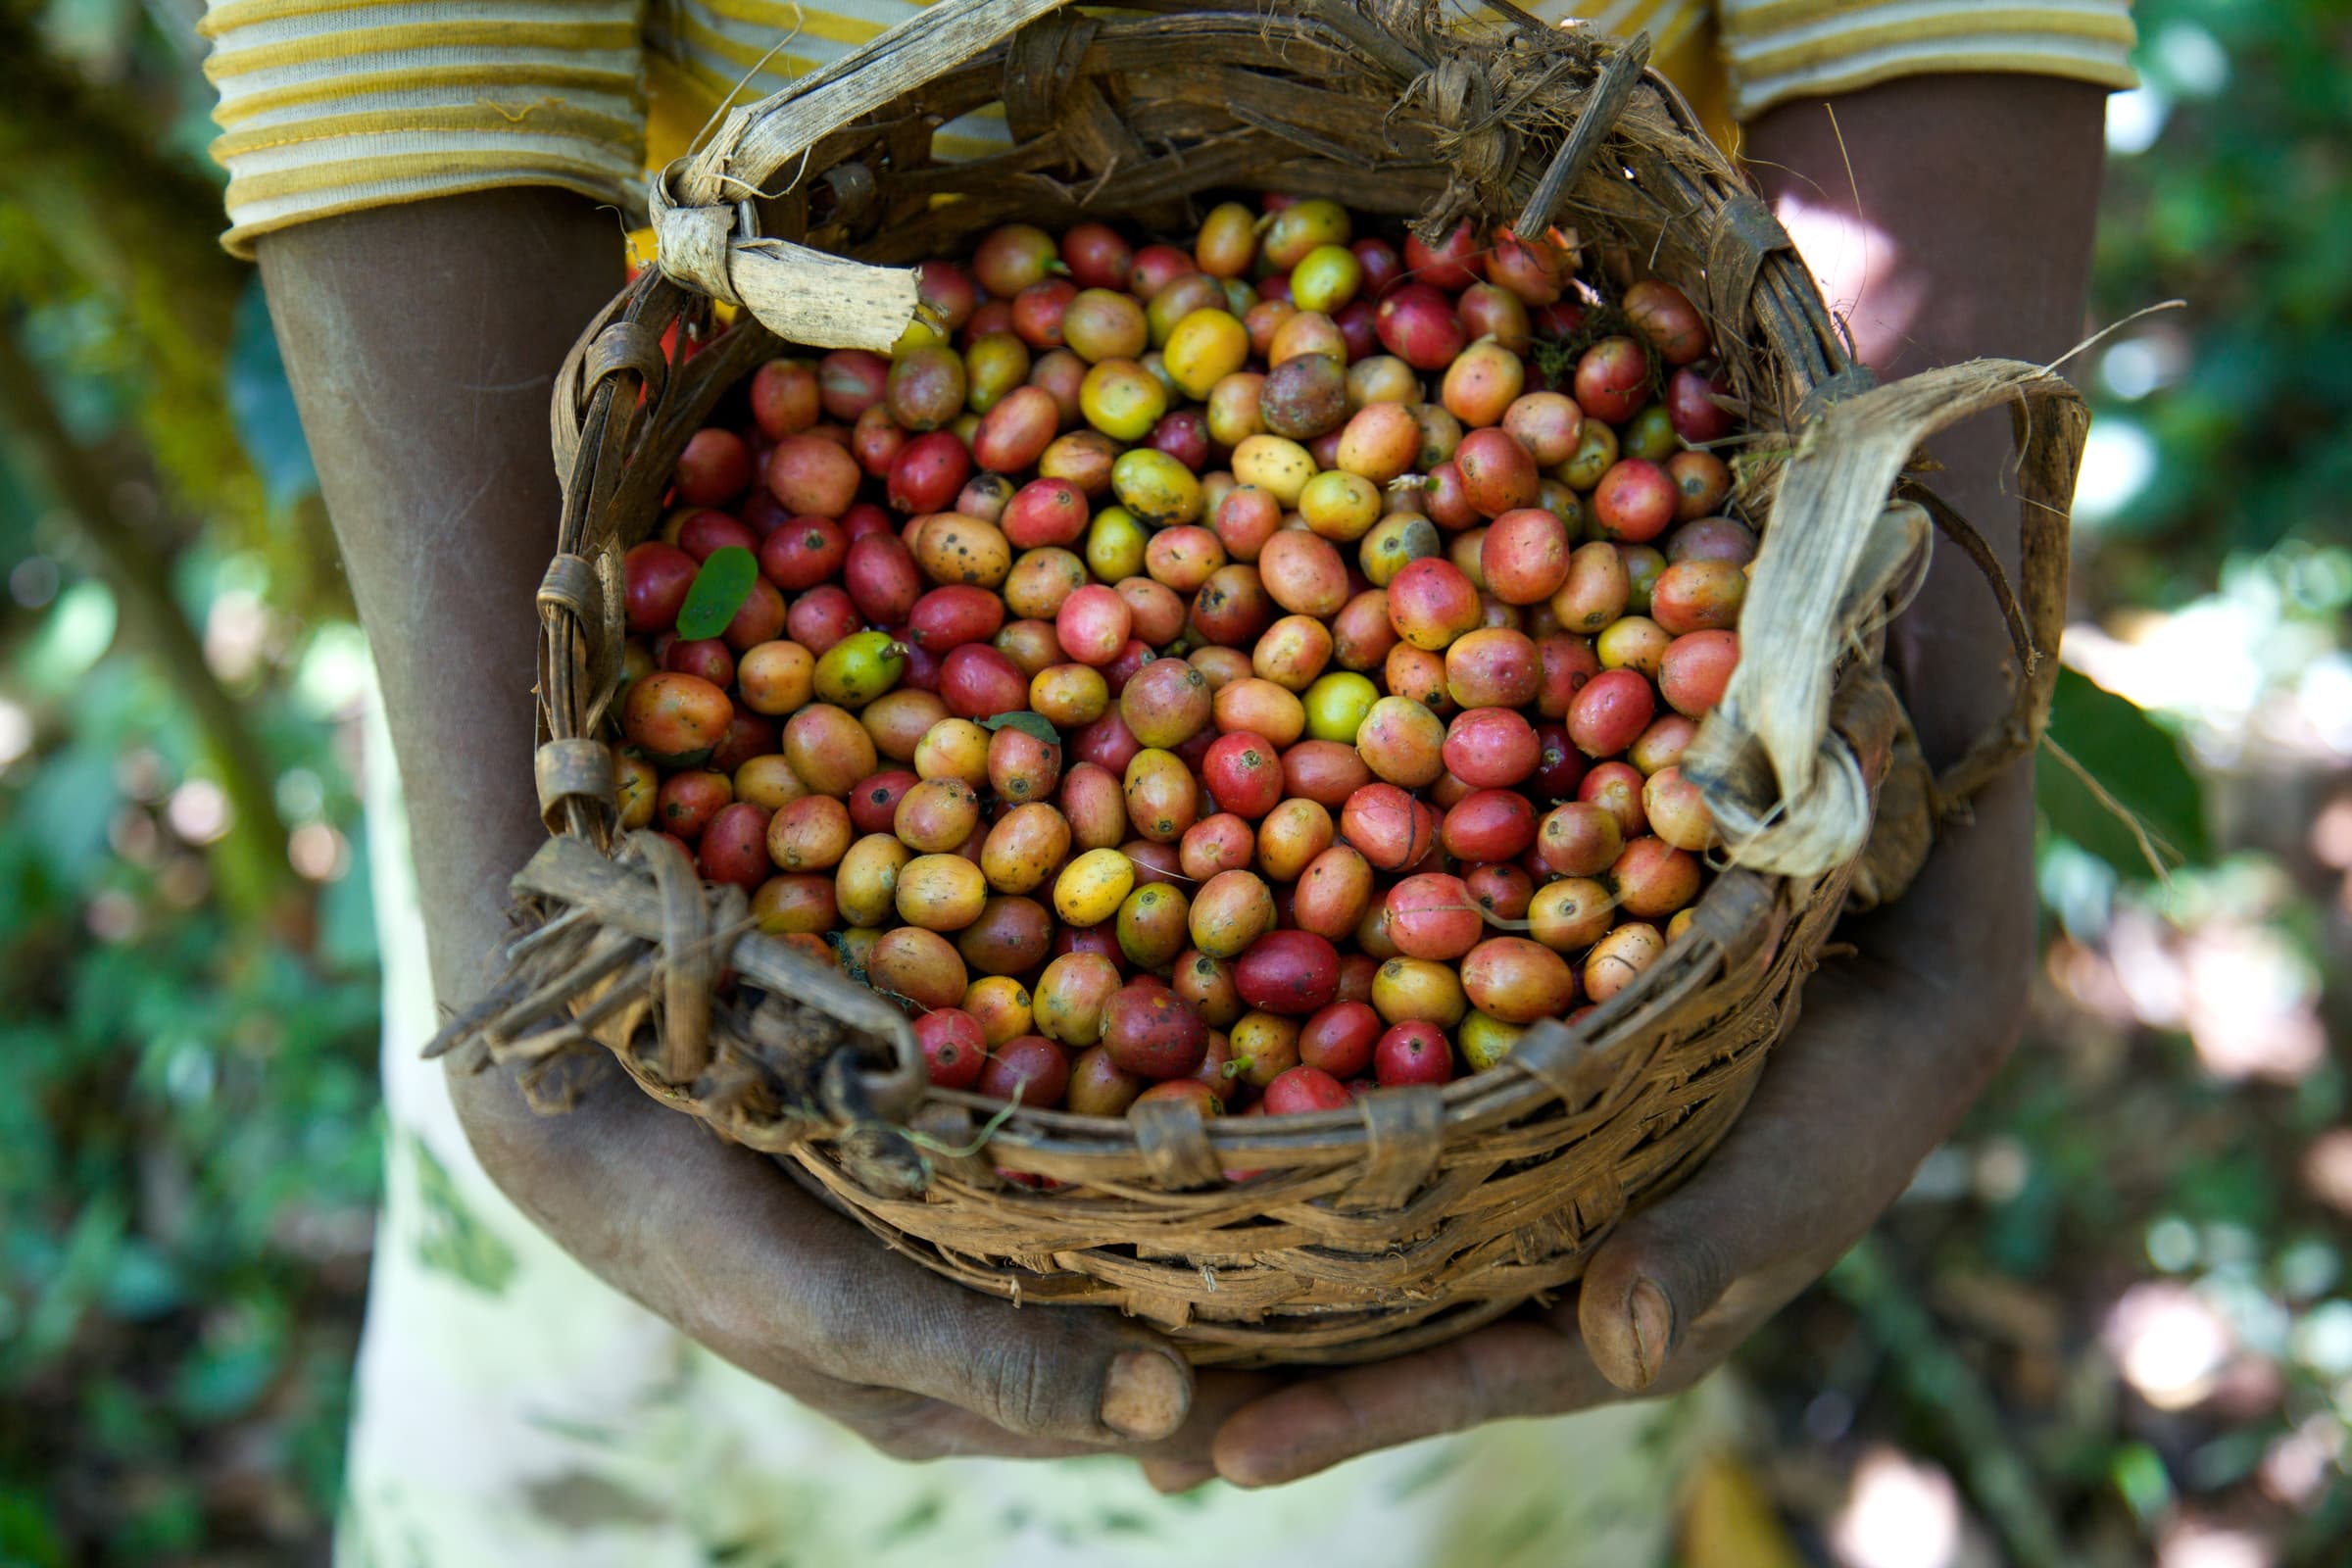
(2194, 1544)
(2252, 669)
(2297, 1468)
(1900, 1513)
(16, 731)
(2250, 1005)
(2241, 992)
(2331, 834)
(2119, 459)
(317, 851)
(1845, 251)
(199, 811)
(2327, 1169)
(2086, 976)
(2168, 1342)
(236, 636)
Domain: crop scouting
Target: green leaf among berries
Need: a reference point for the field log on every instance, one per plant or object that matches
(718, 592)
(1028, 723)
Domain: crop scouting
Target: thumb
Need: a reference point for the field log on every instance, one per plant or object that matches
(1678, 1285)
(1800, 1175)
(1890, 1048)
(1831, 1136)
(1798, 1179)
(1654, 1277)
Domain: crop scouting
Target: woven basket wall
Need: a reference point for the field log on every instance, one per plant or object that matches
(1416, 1213)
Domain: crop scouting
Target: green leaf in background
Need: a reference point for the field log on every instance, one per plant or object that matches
(2139, 1473)
(25, 1534)
(65, 812)
(73, 636)
(1028, 723)
(718, 592)
(261, 403)
(2136, 761)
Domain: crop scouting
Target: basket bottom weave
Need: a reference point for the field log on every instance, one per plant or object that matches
(1285, 1295)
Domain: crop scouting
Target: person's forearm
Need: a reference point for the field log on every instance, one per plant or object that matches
(1964, 230)
(421, 341)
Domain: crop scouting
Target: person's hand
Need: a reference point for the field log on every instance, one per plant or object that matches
(421, 341)
(1892, 1044)
(720, 1242)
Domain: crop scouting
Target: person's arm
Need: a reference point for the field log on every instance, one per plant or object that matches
(421, 341)
(1896, 1041)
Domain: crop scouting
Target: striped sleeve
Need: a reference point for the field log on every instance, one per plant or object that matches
(1780, 49)
(737, 51)
(332, 106)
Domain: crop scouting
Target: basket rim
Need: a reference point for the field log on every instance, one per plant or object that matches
(1735, 914)
(1742, 914)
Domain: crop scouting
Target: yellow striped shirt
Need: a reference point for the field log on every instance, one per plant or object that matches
(330, 106)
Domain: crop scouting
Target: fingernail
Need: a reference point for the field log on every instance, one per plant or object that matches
(1146, 1395)
(1652, 1318)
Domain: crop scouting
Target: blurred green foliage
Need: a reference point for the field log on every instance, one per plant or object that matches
(189, 1147)
(189, 1133)
(2228, 189)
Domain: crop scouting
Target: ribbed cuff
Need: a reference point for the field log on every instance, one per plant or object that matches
(1775, 50)
(334, 106)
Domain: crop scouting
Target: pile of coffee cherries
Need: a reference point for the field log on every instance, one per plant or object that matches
(1251, 673)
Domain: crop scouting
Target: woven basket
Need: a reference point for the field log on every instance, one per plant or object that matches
(1416, 1213)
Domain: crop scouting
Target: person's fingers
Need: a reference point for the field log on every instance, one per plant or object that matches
(1783, 1185)
(1077, 1374)
(937, 1430)
(1217, 1393)
(1511, 1369)
(720, 1241)
(916, 1428)
(1168, 1477)
(1674, 1287)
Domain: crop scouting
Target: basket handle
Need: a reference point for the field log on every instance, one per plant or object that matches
(1786, 791)
(705, 222)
